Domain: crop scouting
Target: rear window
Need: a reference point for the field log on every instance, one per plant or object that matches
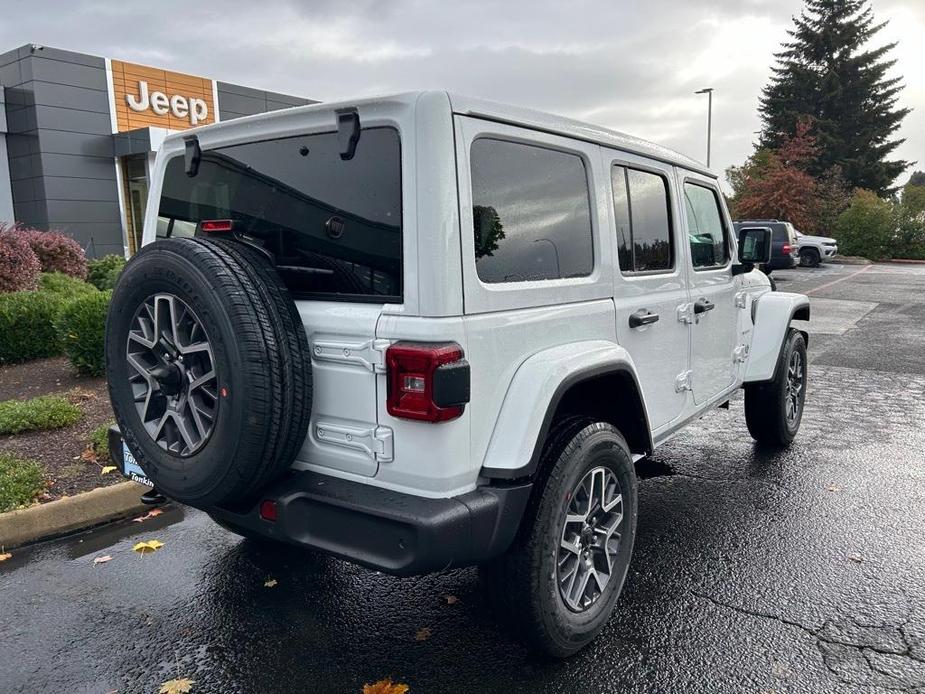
(531, 210)
(334, 226)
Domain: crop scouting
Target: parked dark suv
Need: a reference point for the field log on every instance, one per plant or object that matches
(784, 247)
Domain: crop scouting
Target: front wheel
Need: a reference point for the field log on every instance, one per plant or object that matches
(559, 583)
(774, 410)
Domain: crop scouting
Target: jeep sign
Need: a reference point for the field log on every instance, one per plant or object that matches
(195, 109)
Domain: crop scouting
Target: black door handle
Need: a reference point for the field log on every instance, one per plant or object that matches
(642, 317)
(703, 305)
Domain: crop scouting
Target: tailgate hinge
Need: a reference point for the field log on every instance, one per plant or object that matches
(740, 353)
(686, 313)
(741, 300)
(683, 381)
(369, 354)
(375, 441)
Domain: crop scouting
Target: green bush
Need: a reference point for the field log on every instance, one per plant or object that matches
(867, 228)
(99, 441)
(27, 325)
(43, 412)
(20, 481)
(105, 271)
(64, 285)
(82, 327)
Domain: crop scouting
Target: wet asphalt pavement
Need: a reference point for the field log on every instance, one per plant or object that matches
(754, 571)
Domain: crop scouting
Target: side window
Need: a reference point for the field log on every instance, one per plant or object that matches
(643, 220)
(531, 211)
(707, 232)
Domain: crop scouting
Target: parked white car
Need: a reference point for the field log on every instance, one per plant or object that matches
(428, 331)
(814, 250)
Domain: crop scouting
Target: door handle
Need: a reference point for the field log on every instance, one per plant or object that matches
(703, 305)
(642, 317)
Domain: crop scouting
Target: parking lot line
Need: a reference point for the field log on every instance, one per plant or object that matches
(840, 279)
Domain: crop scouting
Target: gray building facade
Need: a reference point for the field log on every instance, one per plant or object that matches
(78, 135)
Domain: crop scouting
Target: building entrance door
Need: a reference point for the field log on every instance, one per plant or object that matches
(136, 177)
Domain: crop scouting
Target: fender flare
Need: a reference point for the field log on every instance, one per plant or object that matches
(773, 313)
(535, 392)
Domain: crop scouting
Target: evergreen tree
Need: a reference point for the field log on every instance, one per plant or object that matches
(824, 72)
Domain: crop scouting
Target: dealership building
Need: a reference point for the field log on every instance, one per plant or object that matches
(78, 135)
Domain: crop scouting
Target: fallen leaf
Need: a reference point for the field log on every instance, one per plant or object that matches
(89, 455)
(386, 686)
(833, 488)
(423, 634)
(102, 560)
(270, 583)
(857, 558)
(451, 599)
(153, 513)
(107, 469)
(181, 685)
(148, 547)
(5, 555)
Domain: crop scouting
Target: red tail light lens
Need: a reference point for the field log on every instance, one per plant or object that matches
(786, 248)
(212, 226)
(428, 382)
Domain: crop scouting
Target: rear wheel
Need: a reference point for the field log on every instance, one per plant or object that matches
(559, 583)
(774, 410)
(809, 257)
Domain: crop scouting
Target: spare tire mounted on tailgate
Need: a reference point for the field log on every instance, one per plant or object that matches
(209, 369)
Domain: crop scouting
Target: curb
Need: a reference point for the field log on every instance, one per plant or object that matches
(71, 513)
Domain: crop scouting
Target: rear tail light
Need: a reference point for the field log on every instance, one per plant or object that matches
(212, 226)
(426, 381)
(786, 249)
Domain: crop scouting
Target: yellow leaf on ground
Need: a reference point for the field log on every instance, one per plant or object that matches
(386, 686)
(107, 469)
(423, 634)
(5, 555)
(148, 547)
(102, 560)
(270, 583)
(178, 686)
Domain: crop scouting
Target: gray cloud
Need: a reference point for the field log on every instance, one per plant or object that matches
(629, 66)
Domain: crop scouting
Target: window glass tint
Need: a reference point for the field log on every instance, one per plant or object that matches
(532, 213)
(650, 221)
(705, 228)
(334, 226)
(621, 209)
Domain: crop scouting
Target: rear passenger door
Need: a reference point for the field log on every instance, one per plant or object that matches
(650, 283)
(714, 332)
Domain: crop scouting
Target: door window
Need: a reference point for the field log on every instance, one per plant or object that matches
(531, 211)
(707, 233)
(643, 219)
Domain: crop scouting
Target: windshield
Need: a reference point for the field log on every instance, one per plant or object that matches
(334, 226)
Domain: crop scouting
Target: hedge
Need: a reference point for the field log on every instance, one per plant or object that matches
(64, 285)
(81, 325)
(27, 329)
(104, 271)
(37, 414)
(20, 482)
(55, 251)
(19, 266)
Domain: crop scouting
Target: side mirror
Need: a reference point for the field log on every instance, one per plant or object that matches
(754, 247)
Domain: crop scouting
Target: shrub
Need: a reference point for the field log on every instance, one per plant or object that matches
(64, 285)
(20, 481)
(867, 228)
(43, 412)
(103, 272)
(55, 251)
(19, 266)
(27, 328)
(82, 326)
(99, 441)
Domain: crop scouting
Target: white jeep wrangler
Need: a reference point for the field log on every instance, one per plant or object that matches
(427, 331)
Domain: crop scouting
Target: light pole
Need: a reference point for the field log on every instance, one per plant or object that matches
(709, 92)
(555, 249)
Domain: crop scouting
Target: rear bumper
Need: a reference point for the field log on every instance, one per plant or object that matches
(783, 262)
(384, 530)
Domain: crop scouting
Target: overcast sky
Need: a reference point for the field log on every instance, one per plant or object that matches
(632, 66)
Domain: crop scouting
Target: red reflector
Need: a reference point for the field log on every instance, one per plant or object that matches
(411, 369)
(211, 226)
(268, 510)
